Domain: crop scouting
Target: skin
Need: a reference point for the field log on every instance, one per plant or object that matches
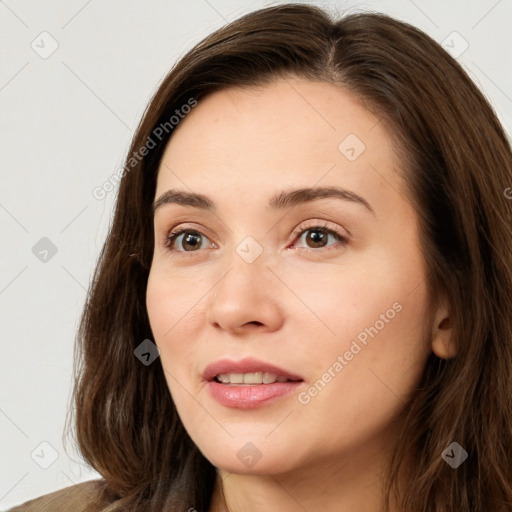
(298, 305)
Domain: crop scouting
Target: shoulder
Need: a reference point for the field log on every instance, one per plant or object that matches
(84, 497)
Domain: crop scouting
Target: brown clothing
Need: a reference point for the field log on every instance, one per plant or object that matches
(83, 497)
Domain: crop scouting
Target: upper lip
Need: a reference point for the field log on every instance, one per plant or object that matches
(248, 365)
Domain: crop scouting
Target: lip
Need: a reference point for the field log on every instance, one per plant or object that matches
(248, 365)
(248, 396)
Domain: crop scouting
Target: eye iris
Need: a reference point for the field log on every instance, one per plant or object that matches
(191, 236)
(317, 237)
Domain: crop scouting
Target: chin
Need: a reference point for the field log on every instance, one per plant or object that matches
(248, 459)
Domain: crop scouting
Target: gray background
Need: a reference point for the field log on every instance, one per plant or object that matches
(67, 119)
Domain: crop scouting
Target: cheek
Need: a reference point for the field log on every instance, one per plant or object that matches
(334, 303)
(170, 310)
(172, 298)
(365, 374)
(374, 347)
(172, 307)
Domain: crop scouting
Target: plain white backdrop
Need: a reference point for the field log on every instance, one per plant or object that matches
(75, 78)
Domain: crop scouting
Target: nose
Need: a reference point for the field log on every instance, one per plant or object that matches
(246, 297)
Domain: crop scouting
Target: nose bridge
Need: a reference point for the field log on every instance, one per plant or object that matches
(247, 266)
(246, 277)
(249, 248)
(248, 234)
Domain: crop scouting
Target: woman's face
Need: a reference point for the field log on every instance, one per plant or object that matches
(345, 314)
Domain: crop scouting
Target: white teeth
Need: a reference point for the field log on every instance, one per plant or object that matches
(236, 378)
(250, 378)
(269, 378)
(253, 378)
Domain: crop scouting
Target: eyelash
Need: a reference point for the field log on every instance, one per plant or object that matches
(342, 240)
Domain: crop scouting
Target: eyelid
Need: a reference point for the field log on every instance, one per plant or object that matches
(178, 230)
(342, 239)
(324, 225)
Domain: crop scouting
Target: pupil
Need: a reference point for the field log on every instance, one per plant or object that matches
(318, 238)
(189, 237)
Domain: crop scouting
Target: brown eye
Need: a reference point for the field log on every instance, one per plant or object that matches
(189, 243)
(317, 237)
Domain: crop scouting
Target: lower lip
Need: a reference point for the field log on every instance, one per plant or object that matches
(250, 396)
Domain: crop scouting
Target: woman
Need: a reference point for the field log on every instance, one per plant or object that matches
(340, 338)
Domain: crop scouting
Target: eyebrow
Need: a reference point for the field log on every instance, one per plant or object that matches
(278, 201)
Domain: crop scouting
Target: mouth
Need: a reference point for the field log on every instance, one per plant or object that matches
(249, 383)
(247, 371)
(252, 378)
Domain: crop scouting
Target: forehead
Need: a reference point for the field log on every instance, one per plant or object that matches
(291, 131)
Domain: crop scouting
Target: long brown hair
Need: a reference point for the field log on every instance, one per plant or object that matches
(457, 164)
